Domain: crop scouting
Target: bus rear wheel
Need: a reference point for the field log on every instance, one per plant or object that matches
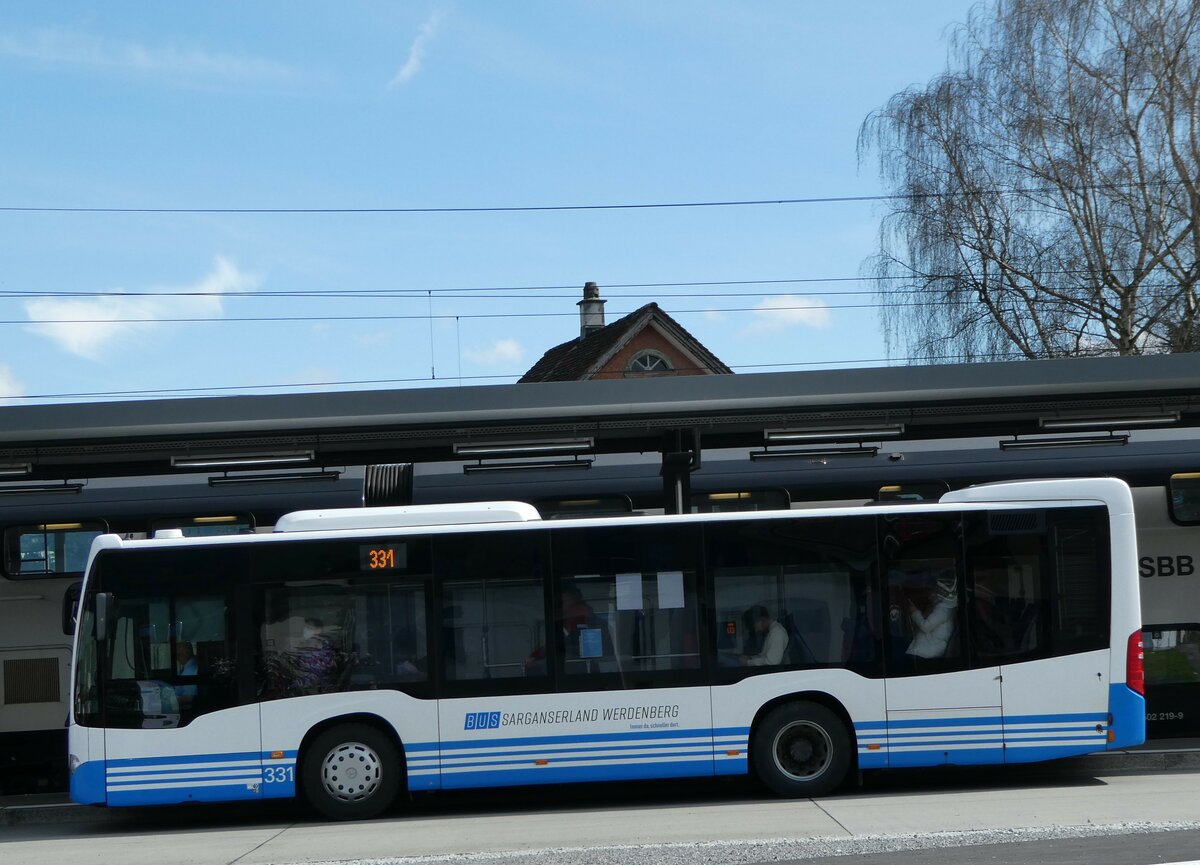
(801, 749)
(351, 772)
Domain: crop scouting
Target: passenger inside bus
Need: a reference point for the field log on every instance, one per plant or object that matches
(773, 649)
(185, 660)
(576, 616)
(933, 621)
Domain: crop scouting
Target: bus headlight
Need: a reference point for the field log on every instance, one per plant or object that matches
(72, 764)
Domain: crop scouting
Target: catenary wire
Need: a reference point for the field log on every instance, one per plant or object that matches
(277, 319)
(450, 293)
(531, 208)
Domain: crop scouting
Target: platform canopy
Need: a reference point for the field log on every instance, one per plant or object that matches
(645, 414)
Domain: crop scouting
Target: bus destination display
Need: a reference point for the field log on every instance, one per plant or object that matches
(382, 557)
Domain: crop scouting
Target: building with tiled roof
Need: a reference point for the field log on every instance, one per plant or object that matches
(647, 342)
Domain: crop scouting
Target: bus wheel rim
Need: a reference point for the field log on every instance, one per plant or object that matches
(802, 750)
(351, 772)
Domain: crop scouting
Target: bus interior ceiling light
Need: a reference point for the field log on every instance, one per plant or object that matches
(1071, 423)
(1082, 441)
(27, 489)
(15, 470)
(815, 453)
(833, 434)
(217, 461)
(539, 465)
(280, 478)
(541, 447)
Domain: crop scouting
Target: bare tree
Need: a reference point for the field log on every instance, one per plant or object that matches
(1047, 185)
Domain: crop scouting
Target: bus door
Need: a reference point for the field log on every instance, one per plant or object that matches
(941, 708)
(1039, 609)
(175, 731)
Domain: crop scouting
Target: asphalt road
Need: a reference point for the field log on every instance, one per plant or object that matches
(1141, 848)
(926, 818)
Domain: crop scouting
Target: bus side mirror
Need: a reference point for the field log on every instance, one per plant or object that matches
(103, 602)
(70, 607)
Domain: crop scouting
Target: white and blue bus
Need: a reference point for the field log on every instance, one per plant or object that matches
(355, 655)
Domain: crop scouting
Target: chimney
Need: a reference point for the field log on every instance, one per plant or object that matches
(591, 310)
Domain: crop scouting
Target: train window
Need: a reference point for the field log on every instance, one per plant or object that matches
(898, 493)
(590, 506)
(751, 500)
(1185, 498)
(1172, 654)
(204, 527)
(49, 549)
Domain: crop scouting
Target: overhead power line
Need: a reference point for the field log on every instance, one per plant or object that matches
(498, 291)
(377, 317)
(551, 208)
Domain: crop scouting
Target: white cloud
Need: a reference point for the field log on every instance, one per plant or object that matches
(779, 313)
(503, 351)
(10, 387)
(376, 338)
(88, 326)
(418, 49)
(62, 48)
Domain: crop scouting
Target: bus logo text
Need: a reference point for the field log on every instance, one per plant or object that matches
(482, 721)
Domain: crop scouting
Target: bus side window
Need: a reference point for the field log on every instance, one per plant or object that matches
(1006, 566)
(493, 607)
(812, 578)
(626, 601)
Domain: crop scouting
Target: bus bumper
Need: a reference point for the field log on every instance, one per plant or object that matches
(87, 783)
(1127, 709)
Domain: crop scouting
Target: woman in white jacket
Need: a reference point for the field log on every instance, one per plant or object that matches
(933, 629)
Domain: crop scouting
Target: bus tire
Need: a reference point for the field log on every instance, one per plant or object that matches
(351, 772)
(801, 750)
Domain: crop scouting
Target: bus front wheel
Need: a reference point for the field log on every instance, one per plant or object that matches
(351, 772)
(801, 749)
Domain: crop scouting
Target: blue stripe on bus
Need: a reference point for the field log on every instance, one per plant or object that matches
(568, 774)
(961, 757)
(540, 752)
(1011, 735)
(117, 774)
(249, 756)
(176, 795)
(1051, 752)
(583, 758)
(932, 743)
(982, 720)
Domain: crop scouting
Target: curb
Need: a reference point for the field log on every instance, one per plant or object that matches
(1141, 760)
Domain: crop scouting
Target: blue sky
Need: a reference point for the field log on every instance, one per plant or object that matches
(431, 104)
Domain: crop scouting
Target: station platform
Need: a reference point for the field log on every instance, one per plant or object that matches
(1158, 755)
